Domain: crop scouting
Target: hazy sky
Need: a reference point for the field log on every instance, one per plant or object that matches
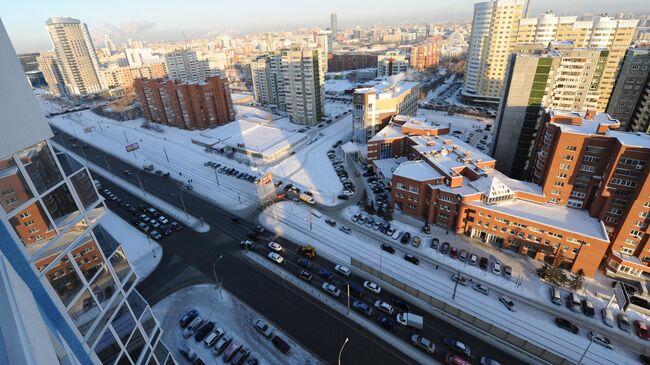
(163, 19)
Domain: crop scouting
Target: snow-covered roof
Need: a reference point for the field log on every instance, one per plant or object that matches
(350, 147)
(387, 89)
(630, 139)
(391, 131)
(387, 166)
(417, 170)
(568, 219)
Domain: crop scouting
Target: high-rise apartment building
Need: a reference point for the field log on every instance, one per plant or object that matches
(70, 284)
(334, 27)
(391, 63)
(582, 161)
(266, 75)
(560, 77)
(630, 100)
(494, 33)
(49, 66)
(75, 54)
(424, 56)
(110, 46)
(120, 79)
(324, 40)
(375, 105)
(183, 64)
(303, 73)
(186, 105)
(603, 32)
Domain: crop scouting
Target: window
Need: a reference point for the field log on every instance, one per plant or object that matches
(556, 192)
(615, 211)
(590, 159)
(636, 233)
(561, 175)
(40, 166)
(571, 148)
(623, 182)
(14, 189)
(559, 183)
(574, 203)
(568, 158)
(414, 189)
(587, 168)
(564, 166)
(402, 186)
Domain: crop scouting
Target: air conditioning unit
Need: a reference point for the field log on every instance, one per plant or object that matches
(639, 167)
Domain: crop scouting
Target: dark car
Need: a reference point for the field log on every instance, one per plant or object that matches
(304, 263)
(483, 263)
(388, 248)
(324, 274)
(305, 275)
(453, 253)
(588, 308)
(176, 226)
(240, 356)
(387, 323)
(203, 331)
(445, 248)
(565, 324)
(281, 344)
(412, 259)
(426, 229)
(405, 238)
(188, 317)
(343, 197)
(401, 303)
(362, 307)
(330, 222)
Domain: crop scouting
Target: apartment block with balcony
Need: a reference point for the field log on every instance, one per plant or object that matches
(630, 100)
(391, 63)
(303, 73)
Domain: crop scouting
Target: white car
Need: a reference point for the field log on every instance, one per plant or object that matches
(331, 289)
(473, 259)
(601, 340)
(508, 303)
(346, 192)
(481, 289)
(384, 307)
(273, 256)
(343, 270)
(372, 287)
(423, 343)
(274, 246)
(496, 268)
(345, 229)
(396, 234)
(162, 219)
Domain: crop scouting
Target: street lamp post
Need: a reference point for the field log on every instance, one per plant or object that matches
(180, 194)
(381, 258)
(214, 271)
(342, 347)
(586, 350)
(137, 175)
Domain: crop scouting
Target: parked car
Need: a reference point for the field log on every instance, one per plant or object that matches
(247, 244)
(641, 329)
(556, 296)
(362, 307)
(230, 351)
(509, 303)
(507, 272)
(623, 322)
(460, 279)
(213, 337)
(481, 288)
(607, 317)
(221, 345)
(405, 238)
(573, 303)
(192, 327)
(388, 323)
(262, 327)
(416, 241)
(330, 222)
(188, 317)
(342, 270)
(445, 248)
(423, 343)
(462, 256)
(473, 259)
(384, 307)
(305, 263)
(373, 287)
(600, 339)
(331, 289)
(203, 331)
(412, 259)
(588, 308)
(240, 356)
(566, 324)
(187, 351)
(496, 268)
(325, 274)
(483, 263)
(388, 248)
(457, 346)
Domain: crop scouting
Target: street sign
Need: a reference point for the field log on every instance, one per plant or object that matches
(89, 129)
(622, 299)
(132, 147)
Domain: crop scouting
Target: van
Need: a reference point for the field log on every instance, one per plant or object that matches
(556, 296)
(608, 317)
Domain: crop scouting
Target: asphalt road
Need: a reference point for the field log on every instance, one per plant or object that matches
(188, 259)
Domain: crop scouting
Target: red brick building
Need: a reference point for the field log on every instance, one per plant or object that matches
(186, 105)
(424, 56)
(350, 61)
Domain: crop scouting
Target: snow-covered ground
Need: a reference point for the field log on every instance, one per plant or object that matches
(227, 312)
(529, 322)
(144, 254)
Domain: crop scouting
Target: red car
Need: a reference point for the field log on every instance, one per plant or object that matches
(453, 253)
(641, 329)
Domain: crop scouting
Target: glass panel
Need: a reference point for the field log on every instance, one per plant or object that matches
(161, 352)
(87, 257)
(64, 280)
(84, 188)
(129, 282)
(96, 213)
(84, 311)
(104, 320)
(105, 240)
(124, 360)
(137, 303)
(136, 344)
(107, 348)
(40, 166)
(61, 206)
(170, 361)
(65, 239)
(13, 188)
(69, 164)
(152, 361)
(123, 323)
(33, 227)
(120, 264)
(103, 286)
(147, 321)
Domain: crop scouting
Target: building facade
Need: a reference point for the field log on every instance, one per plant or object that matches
(49, 65)
(350, 61)
(391, 63)
(581, 160)
(303, 74)
(374, 106)
(267, 81)
(334, 27)
(185, 105)
(75, 55)
(494, 33)
(183, 64)
(68, 278)
(630, 100)
(120, 80)
(424, 56)
(537, 78)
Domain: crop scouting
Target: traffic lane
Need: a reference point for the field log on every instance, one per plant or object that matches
(433, 333)
(272, 298)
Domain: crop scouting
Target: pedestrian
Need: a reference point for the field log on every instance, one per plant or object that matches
(447, 231)
(436, 266)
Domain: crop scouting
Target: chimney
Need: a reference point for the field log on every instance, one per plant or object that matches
(590, 114)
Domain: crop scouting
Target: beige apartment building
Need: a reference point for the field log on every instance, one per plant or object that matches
(119, 80)
(303, 74)
(49, 66)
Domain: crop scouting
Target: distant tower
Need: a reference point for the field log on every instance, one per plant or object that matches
(333, 25)
(109, 43)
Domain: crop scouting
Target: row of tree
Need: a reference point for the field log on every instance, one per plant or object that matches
(553, 274)
(380, 211)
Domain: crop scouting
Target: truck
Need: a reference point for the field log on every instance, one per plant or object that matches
(307, 199)
(308, 251)
(410, 320)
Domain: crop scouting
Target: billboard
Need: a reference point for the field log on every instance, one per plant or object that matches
(132, 147)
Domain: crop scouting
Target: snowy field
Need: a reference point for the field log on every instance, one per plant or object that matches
(529, 322)
(227, 312)
(144, 254)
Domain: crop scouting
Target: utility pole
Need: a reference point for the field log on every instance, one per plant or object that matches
(348, 298)
(165, 150)
(453, 296)
(137, 175)
(309, 217)
(216, 176)
(586, 350)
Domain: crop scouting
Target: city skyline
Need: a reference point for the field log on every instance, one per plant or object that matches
(25, 23)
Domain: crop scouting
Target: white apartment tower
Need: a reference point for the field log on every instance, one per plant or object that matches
(182, 64)
(494, 32)
(266, 74)
(303, 73)
(75, 54)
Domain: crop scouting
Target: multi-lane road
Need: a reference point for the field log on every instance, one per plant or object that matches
(188, 259)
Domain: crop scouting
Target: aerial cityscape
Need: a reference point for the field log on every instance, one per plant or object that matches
(331, 183)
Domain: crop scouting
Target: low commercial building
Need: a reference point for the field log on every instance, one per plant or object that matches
(186, 105)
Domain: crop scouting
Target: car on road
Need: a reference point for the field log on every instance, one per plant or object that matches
(273, 256)
(641, 329)
(623, 322)
(600, 339)
(384, 307)
(330, 222)
(496, 268)
(203, 331)
(331, 289)
(388, 323)
(373, 287)
(262, 327)
(566, 325)
(457, 346)
(342, 270)
(401, 303)
(412, 259)
(247, 244)
(221, 345)
(460, 279)
(388, 248)
(188, 318)
(326, 274)
(509, 303)
(362, 307)
(274, 246)
(345, 229)
(305, 275)
(423, 343)
(481, 288)
(304, 263)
